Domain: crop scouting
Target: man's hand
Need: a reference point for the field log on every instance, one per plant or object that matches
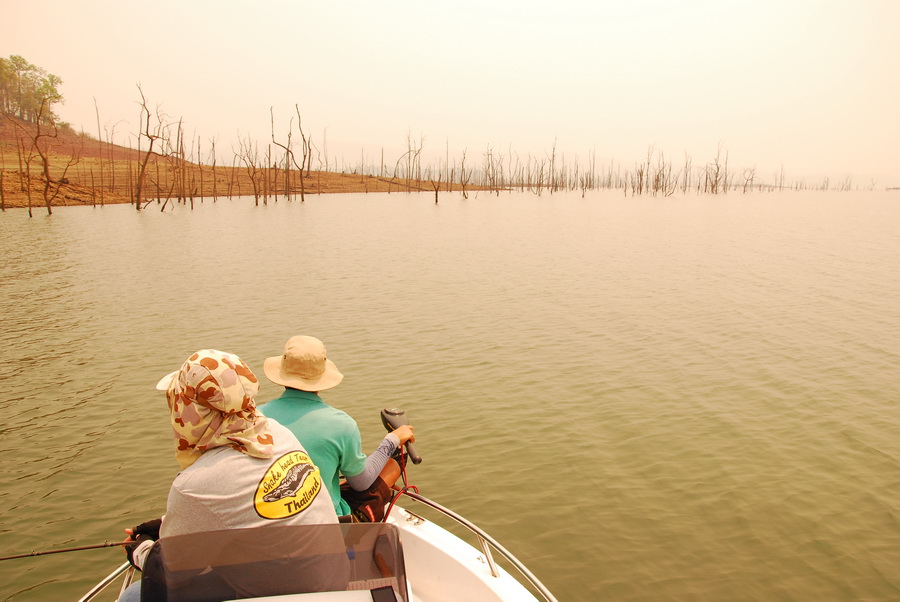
(137, 550)
(141, 539)
(404, 434)
(150, 528)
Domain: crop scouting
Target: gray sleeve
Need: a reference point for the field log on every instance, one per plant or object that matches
(375, 462)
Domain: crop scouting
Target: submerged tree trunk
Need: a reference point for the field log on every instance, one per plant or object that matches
(151, 137)
(99, 154)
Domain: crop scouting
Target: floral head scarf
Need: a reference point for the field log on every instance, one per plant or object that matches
(211, 402)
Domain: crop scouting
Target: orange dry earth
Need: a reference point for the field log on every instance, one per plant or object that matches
(102, 173)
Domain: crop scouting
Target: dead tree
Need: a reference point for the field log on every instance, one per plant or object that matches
(464, 176)
(28, 187)
(200, 168)
(99, 152)
(686, 183)
(394, 178)
(152, 136)
(305, 154)
(749, 175)
(231, 179)
(215, 189)
(42, 142)
(2, 168)
(249, 155)
(267, 176)
(287, 154)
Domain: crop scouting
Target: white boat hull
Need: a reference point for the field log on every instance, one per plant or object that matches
(441, 567)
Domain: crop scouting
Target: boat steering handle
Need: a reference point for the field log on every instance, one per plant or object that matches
(394, 418)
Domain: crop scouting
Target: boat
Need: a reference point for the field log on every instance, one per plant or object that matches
(416, 560)
(405, 558)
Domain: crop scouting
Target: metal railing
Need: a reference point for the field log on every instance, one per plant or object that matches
(125, 569)
(487, 542)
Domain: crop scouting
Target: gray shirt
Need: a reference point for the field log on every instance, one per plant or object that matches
(226, 489)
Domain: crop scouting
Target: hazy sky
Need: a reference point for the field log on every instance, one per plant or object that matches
(813, 85)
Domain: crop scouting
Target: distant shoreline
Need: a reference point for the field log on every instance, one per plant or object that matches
(104, 174)
(87, 171)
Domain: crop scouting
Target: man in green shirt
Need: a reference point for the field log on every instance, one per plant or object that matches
(329, 435)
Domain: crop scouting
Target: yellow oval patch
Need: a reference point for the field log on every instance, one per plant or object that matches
(288, 487)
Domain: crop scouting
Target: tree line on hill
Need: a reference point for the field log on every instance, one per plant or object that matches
(26, 88)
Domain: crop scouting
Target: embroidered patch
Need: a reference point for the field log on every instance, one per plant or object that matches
(288, 487)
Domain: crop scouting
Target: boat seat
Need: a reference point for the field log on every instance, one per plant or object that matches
(277, 560)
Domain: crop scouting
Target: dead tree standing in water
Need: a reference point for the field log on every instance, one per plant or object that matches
(288, 154)
(152, 137)
(215, 190)
(305, 156)
(249, 155)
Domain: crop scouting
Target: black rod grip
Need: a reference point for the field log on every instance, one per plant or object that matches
(394, 418)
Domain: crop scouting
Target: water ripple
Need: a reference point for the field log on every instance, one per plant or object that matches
(644, 399)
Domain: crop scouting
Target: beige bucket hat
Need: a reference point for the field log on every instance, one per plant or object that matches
(303, 366)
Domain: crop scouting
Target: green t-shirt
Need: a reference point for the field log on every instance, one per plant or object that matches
(330, 437)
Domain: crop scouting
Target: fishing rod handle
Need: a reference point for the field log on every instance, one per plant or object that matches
(394, 418)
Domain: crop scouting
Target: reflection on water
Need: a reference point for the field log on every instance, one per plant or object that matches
(643, 399)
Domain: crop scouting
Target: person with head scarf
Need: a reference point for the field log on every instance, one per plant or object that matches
(238, 469)
(331, 435)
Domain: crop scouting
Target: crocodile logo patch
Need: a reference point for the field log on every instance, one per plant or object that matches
(288, 487)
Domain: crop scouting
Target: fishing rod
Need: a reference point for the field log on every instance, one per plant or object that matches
(105, 544)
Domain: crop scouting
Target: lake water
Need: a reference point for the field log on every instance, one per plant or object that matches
(684, 398)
